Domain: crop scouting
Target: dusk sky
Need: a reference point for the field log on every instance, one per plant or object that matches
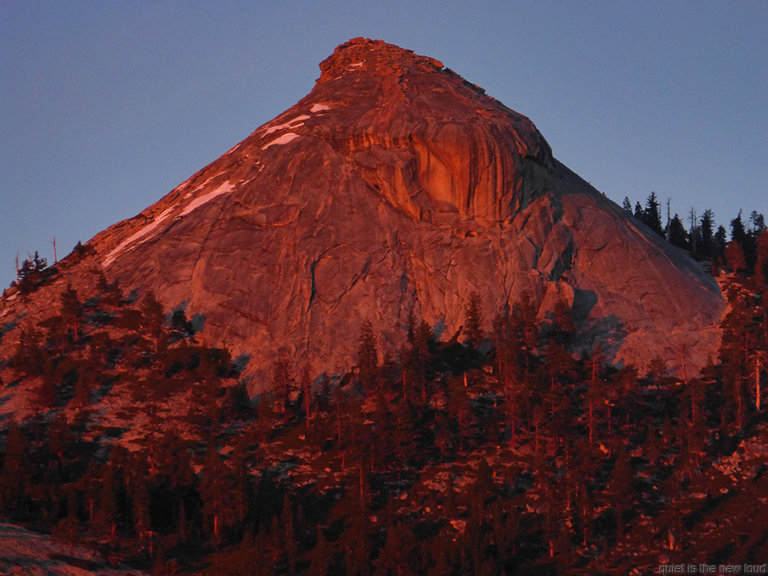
(107, 106)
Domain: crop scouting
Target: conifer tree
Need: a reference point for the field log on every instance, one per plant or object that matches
(219, 495)
(473, 322)
(321, 556)
(706, 246)
(394, 556)
(138, 489)
(15, 474)
(734, 256)
(28, 357)
(677, 234)
(31, 273)
(289, 540)
(107, 515)
(652, 214)
(761, 263)
(283, 383)
(620, 489)
(152, 317)
(71, 310)
(738, 232)
(639, 211)
(721, 241)
(47, 391)
(367, 357)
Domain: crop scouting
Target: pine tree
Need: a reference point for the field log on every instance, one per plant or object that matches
(706, 246)
(506, 349)
(620, 489)
(28, 357)
(138, 490)
(219, 495)
(107, 516)
(761, 263)
(738, 233)
(283, 383)
(71, 310)
(677, 234)
(418, 361)
(321, 556)
(306, 392)
(721, 242)
(734, 256)
(394, 556)
(15, 474)
(289, 540)
(473, 322)
(31, 273)
(652, 215)
(367, 356)
(152, 317)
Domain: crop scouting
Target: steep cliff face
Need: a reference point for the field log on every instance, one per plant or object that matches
(397, 186)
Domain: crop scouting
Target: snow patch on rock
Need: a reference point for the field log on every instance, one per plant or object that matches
(280, 140)
(143, 235)
(293, 123)
(205, 198)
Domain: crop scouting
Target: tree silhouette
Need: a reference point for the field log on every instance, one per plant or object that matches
(71, 310)
(652, 215)
(677, 234)
(367, 356)
(283, 383)
(219, 495)
(29, 357)
(15, 473)
(31, 273)
(473, 322)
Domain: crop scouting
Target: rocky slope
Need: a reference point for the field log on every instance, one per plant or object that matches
(396, 186)
(26, 553)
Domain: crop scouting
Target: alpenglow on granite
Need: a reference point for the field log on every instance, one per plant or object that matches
(396, 186)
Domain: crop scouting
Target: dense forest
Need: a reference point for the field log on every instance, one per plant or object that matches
(498, 451)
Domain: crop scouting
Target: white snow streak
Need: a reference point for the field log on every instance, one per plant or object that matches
(137, 235)
(205, 198)
(280, 140)
(319, 108)
(294, 123)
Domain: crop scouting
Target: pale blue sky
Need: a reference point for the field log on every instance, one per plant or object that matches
(107, 106)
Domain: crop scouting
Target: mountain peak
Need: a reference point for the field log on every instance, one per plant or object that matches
(429, 142)
(377, 55)
(397, 189)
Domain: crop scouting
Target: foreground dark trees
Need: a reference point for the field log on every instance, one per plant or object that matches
(446, 461)
(499, 452)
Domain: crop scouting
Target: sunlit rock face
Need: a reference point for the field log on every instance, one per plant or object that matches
(397, 186)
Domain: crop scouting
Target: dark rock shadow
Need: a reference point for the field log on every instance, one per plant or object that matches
(607, 332)
(583, 302)
(241, 362)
